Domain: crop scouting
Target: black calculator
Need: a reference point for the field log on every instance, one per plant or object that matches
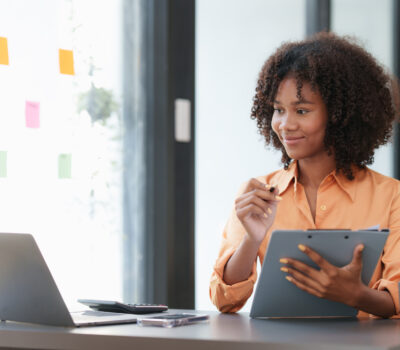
(116, 306)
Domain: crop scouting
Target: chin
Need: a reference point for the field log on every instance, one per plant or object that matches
(295, 155)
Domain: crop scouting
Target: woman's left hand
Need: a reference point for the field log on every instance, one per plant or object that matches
(341, 284)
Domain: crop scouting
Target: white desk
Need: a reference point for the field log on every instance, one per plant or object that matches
(222, 332)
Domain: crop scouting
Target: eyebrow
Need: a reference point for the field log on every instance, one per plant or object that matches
(298, 102)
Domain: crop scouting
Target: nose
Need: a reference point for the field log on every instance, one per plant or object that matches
(288, 122)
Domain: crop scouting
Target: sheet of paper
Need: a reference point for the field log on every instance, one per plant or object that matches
(372, 228)
(3, 163)
(32, 112)
(3, 51)
(66, 62)
(64, 166)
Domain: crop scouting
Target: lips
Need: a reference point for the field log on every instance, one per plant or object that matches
(292, 140)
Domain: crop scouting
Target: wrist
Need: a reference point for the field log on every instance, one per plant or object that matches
(251, 242)
(360, 294)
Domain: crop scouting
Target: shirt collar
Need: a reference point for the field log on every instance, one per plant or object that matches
(291, 174)
(345, 184)
(287, 176)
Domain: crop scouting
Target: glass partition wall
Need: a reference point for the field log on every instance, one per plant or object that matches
(60, 138)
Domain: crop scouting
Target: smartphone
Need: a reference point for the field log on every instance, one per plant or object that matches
(172, 320)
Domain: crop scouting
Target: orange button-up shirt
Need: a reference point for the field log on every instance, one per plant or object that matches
(368, 200)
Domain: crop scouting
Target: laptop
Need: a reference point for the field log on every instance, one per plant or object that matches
(28, 292)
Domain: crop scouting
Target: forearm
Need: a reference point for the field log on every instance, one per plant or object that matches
(240, 265)
(376, 302)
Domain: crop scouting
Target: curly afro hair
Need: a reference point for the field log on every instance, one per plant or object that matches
(358, 93)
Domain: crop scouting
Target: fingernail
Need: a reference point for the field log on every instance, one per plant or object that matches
(289, 278)
(269, 211)
(301, 247)
(284, 261)
(279, 198)
(265, 215)
(284, 269)
(362, 248)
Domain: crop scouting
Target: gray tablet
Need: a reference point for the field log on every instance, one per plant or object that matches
(277, 297)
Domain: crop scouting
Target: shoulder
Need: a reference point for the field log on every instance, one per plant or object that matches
(378, 180)
(381, 185)
(272, 178)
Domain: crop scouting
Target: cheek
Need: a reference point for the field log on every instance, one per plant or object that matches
(315, 128)
(275, 125)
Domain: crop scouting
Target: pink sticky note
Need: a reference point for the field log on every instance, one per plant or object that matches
(32, 114)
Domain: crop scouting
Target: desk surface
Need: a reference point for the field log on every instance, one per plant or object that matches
(224, 331)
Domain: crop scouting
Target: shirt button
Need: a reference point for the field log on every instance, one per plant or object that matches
(323, 207)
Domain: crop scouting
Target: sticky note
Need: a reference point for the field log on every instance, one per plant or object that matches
(3, 163)
(32, 114)
(66, 62)
(3, 51)
(64, 166)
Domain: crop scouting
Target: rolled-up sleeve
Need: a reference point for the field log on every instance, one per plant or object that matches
(230, 298)
(390, 260)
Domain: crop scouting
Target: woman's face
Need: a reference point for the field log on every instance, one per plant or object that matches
(300, 123)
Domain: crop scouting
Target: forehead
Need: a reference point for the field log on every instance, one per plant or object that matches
(288, 90)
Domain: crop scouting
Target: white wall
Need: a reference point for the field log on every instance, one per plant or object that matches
(233, 39)
(371, 22)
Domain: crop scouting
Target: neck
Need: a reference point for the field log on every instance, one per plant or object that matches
(313, 171)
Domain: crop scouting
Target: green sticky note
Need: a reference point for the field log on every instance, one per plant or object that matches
(3, 163)
(64, 166)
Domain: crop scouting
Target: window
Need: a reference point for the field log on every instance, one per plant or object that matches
(61, 138)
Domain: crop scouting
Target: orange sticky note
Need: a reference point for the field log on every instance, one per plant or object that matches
(3, 51)
(66, 62)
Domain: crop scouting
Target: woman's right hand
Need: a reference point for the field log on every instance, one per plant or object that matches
(256, 209)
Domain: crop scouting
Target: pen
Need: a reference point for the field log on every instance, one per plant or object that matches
(272, 189)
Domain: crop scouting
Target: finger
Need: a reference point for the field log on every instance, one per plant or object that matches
(256, 201)
(357, 256)
(304, 287)
(263, 198)
(251, 209)
(254, 184)
(318, 259)
(273, 189)
(263, 193)
(301, 267)
(305, 280)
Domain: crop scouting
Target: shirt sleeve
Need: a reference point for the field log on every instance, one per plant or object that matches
(391, 258)
(230, 298)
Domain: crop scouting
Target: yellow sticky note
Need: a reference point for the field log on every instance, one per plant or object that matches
(66, 62)
(3, 51)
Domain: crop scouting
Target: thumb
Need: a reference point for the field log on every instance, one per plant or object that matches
(357, 256)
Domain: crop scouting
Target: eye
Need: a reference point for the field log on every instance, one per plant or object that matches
(278, 110)
(302, 111)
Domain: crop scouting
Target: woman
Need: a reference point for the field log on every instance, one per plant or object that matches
(327, 105)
